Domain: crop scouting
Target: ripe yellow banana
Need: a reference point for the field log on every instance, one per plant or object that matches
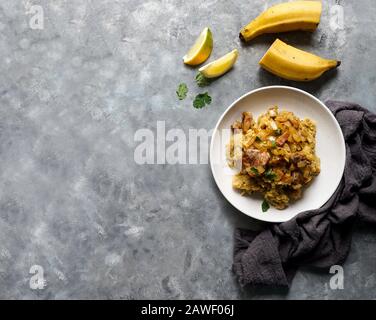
(293, 64)
(289, 16)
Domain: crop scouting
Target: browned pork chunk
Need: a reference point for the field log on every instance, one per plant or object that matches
(282, 139)
(257, 158)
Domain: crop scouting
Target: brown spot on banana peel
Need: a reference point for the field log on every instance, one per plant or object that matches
(338, 63)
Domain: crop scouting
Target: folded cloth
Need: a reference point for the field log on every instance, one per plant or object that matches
(319, 238)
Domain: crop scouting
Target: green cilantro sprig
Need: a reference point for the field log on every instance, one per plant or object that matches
(265, 206)
(202, 100)
(270, 175)
(182, 91)
(202, 81)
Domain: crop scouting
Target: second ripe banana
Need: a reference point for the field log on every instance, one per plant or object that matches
(288, 16)
(293, 64)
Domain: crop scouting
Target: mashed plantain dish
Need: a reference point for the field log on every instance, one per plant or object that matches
(275, 155)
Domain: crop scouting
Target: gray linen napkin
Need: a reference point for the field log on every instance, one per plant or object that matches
(319, 238)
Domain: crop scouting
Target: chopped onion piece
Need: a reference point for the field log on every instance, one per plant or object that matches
(273, 125)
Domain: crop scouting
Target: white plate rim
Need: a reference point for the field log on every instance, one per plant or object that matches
(327, 110)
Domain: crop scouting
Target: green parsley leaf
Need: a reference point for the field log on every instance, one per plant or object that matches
(270, 175)
(278, 132)
(182, 91)
(198, 103)
(274, 144)
(207, 98)
(265, 206)
(255, 171)
(202, 81)
(201, 100)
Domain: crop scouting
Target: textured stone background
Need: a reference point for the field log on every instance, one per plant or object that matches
(73, 200)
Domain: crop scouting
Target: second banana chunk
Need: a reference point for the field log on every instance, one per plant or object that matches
(293, 64)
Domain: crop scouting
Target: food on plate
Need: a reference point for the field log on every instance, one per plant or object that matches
(275, 155)
(201, 49)
(220, 66)
(293, 64)
(288, 16)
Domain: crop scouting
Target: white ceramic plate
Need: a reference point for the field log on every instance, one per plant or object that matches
(330, 147)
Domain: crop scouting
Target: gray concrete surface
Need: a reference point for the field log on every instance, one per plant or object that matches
(72, 199)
